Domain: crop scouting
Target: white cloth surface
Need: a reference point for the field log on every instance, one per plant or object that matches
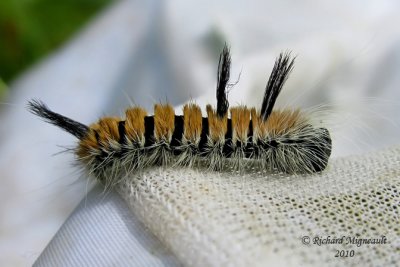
(256, 219)
(103, 232)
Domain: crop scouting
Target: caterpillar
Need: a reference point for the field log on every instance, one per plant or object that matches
(274, 140)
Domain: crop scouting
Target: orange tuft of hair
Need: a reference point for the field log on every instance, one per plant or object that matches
(134, 124)
(192, 123)
(108, 130)
(101, 133)
(88, 144)
(164, 122)
(217, 126)
(282, 121)
(240, 117)
(279, 122)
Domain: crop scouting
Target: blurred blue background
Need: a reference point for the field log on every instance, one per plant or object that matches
(89, 58)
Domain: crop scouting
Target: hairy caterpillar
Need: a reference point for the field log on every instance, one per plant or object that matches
(276, 140)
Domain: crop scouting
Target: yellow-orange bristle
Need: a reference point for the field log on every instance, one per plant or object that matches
(193, 121)
(217, 126)
(108, 130)
(88, 144)
(240, 117)
(279, 122)
(134, 124)
(164, 122)
(282, 121)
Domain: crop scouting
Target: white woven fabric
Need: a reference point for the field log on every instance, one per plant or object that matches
(230, 219)
(103, 232)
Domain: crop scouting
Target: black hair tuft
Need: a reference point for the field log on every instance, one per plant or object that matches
(40, 109)
(282, 68)
(224, 66)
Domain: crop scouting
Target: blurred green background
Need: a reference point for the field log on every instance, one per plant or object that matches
(29, 29)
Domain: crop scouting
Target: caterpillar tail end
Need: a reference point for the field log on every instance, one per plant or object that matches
(41, 110)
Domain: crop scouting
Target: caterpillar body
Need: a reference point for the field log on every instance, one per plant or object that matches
(275, 140)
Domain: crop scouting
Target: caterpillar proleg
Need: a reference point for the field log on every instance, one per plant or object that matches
(275, 140)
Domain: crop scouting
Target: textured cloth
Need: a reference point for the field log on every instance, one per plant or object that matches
(103, 232)
(253, 218)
